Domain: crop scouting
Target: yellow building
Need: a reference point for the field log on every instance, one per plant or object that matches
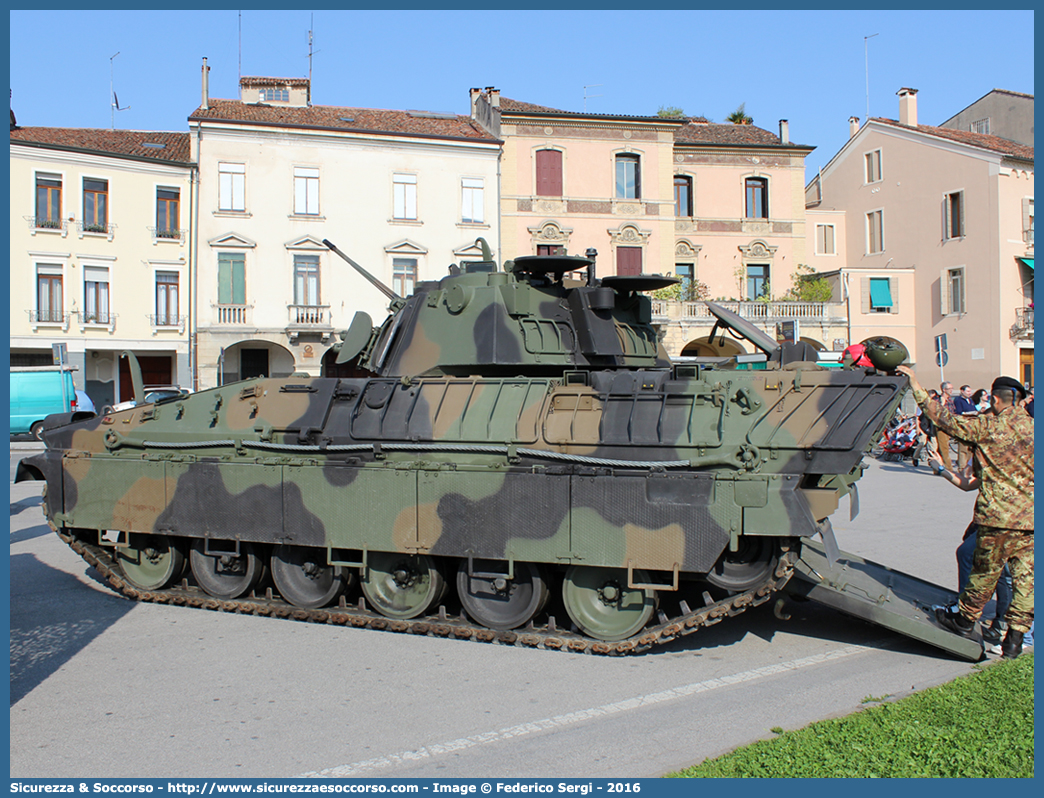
(100, 254)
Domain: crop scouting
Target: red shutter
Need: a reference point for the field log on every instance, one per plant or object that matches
(549, 173)
(628, 260)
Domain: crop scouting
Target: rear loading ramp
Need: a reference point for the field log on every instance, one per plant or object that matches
(878, 594)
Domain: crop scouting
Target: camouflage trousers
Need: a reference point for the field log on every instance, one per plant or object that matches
(993, 548)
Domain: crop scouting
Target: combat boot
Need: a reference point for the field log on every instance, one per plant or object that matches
(993, 634)
(950, 618)
(1012, 645)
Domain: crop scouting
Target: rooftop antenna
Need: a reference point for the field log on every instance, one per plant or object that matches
(240, 46)
(115, 104)
(866, 56)
(311, 27)
(586, 95)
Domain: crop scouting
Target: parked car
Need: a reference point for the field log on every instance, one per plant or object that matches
(153, 394)
(37, 392)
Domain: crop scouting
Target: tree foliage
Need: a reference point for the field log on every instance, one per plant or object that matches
(671, 112)
(806, 286)
(739, 116)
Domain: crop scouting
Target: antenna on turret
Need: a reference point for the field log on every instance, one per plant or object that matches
(114, 106)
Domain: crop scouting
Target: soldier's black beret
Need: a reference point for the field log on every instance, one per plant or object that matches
(1009, 383)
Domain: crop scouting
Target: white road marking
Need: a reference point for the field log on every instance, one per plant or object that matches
(572, 718)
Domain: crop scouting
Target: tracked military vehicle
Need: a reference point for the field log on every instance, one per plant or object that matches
(521, 464)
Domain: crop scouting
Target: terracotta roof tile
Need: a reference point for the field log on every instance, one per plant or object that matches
(507, 105)
(710, 133)
(407, 123)
(110, 142)
(1006, 147)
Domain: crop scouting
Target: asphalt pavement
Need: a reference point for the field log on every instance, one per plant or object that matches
(101, 686)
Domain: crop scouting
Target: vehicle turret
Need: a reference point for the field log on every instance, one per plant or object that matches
(531, 318)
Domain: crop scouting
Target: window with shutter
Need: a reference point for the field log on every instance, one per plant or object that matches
(231, 278)
(628, 260)
(953, 211)
(549, 173)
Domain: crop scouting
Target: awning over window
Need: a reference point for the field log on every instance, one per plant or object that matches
(1027, 261)
(880, 293)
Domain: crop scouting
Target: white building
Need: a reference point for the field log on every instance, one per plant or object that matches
(403, 193)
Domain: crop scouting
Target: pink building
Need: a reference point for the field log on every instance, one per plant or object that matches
(955, 209)
(721, 204)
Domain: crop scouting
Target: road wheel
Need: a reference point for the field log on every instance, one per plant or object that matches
(304, 578)
(151, 562)
(599, 601)
(497, 602)
(226, 575)
(402, 585)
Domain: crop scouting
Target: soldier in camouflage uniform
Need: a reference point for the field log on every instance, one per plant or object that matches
(1003, 509)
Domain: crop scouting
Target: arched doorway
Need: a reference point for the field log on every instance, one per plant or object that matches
(246, 359)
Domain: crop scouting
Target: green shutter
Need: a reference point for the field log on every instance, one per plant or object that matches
(231, 278)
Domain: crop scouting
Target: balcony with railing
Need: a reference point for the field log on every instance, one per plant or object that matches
(232, 315)
(167, 234)
(96, 318)
(106, 230)
(1022, 329)
(309, 319)
(166, 321)
(758, 312)
(43, 223)
(49, 318)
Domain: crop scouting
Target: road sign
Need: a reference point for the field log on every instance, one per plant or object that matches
(940, 354)
(788, 331)
(60, 354)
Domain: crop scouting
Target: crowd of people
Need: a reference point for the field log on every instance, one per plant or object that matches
(993, 431)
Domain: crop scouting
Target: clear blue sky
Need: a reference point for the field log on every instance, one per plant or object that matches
(804, 66)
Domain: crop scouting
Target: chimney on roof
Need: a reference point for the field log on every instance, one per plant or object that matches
(206, 86)
(784, 131)
(907, 107)
(485, 109)
(853, 125)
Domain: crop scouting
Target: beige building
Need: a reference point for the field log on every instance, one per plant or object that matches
(719, 204)
(100, 258)
(953, 207)
(403, 193)
(1008, 114)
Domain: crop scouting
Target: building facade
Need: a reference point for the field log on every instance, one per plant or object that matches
(1008, 114)
(718, 205)
(99, 254)
(403, 193)
(956, 208)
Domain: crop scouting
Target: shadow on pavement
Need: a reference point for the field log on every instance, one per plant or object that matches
(47, 635)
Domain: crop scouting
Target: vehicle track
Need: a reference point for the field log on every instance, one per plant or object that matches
(547, 636)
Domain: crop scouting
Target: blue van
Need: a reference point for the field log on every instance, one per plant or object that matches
(36, 392)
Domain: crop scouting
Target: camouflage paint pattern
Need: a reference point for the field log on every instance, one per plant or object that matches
(511, 416)
(993, 549)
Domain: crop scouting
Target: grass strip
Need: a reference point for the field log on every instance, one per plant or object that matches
(977, 726)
